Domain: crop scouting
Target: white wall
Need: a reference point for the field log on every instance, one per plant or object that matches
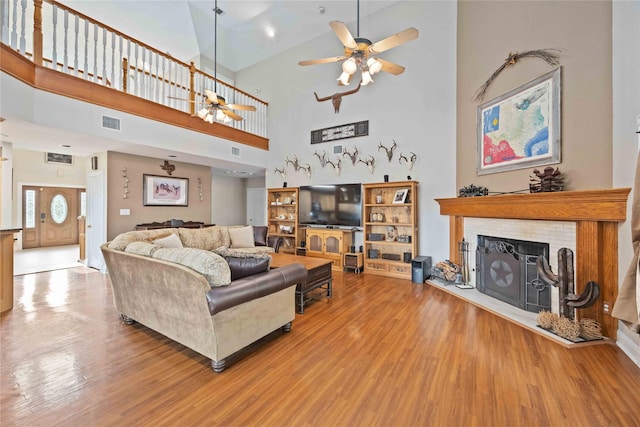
(626, 108)
(416, 109)
(228, 201)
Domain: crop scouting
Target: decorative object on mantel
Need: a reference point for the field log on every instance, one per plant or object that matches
(473, 191)
(521, 128)
(548, 55)
(409, 161)
(323, 159)
(370, 162)
(333, 133)
(353, 156)
(336, 98)
(546, 181)
(389, 150)
(359, 52)
(569, 301)
(168, 167)
(125, 180)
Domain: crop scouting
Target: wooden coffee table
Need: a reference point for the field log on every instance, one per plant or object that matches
(318, 276)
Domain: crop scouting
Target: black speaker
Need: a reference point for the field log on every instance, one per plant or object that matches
(352, 249)
(420, 269)
(406, 257)
(361, 248)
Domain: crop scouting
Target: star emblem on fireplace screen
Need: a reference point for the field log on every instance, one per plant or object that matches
(501, 273)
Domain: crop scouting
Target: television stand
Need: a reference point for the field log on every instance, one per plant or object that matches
(329, 243)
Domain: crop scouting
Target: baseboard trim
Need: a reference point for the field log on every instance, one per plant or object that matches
(629, 347)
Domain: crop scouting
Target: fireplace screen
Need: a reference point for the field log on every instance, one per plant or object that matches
(506, 270)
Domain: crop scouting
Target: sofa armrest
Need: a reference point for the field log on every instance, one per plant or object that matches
(275, 242)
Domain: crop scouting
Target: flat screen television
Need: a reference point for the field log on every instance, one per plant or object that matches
(332, 205)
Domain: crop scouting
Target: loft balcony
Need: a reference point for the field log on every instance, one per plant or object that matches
(54, 48)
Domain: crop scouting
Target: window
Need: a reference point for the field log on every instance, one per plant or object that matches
(59, 209)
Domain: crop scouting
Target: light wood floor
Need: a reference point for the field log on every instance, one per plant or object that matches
(383, 352)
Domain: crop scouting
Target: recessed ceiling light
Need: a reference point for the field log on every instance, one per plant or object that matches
(271, 33)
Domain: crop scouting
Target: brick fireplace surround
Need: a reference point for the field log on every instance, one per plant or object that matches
(595, 213)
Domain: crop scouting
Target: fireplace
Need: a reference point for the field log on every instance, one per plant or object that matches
(594, 216)
(506, 270)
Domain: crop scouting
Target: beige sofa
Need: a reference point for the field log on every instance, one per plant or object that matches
(191, 295)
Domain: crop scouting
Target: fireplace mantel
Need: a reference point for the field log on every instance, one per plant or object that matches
(596, 214)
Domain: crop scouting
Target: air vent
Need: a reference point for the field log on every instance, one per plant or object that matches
(110, 123)
(337, 149)
(235, 151)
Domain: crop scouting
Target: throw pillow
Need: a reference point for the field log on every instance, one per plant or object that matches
(122, 240)
(244, 264)
(260, 235)
(141, 248)
(204, 238)
(211, 265)
(242, 237)
(170, 241)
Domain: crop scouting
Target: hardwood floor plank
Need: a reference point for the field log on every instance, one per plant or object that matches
(381, 352)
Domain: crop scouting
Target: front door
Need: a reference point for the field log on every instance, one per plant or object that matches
(50, 216)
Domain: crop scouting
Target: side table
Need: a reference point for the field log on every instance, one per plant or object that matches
(354, 261)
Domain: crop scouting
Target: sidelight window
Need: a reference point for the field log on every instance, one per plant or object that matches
(30, 209)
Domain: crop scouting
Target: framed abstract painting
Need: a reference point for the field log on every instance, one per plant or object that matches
(521, 128)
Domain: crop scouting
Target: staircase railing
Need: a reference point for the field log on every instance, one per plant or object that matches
(67, 41)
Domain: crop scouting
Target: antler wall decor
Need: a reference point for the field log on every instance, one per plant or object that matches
(337, 166)
(295, 163)
(409, 160)
(323, 159)
(389, 150)
(307, 169)
(336, 98)
(281, 172)
(370, 162)
(548, 55)
(353, 156)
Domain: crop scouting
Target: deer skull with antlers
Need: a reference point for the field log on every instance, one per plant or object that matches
(370, 162)
(353, 156)
(323, 159)
(337, 166)
(295, 163)
(389, 150)
(281, 172)
(307, 169)
(410, 161)
(336, 98)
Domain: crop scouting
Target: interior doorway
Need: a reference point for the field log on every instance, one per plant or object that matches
(50, 216)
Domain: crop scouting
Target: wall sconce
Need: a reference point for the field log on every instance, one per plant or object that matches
(94, 163)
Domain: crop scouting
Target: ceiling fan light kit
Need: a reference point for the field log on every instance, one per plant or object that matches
(358, 53)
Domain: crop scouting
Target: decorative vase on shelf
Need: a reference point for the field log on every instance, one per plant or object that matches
(379, 197)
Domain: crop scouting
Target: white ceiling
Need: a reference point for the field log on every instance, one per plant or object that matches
(185, 29)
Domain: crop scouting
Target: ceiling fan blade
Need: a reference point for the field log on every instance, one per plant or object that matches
(241, 107)
(211, 96)
(233, 115)
(390, 67)
(393, 41)
(322, 60)
(343, 34)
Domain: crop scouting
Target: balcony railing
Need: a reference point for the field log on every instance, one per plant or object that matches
(69, 42)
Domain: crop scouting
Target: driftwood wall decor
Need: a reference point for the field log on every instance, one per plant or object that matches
(550, 56)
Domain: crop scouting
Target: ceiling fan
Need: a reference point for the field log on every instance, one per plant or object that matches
(215, 106)
(359, 53)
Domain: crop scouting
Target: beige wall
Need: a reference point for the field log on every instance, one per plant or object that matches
(488, 31)
(198, 210)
